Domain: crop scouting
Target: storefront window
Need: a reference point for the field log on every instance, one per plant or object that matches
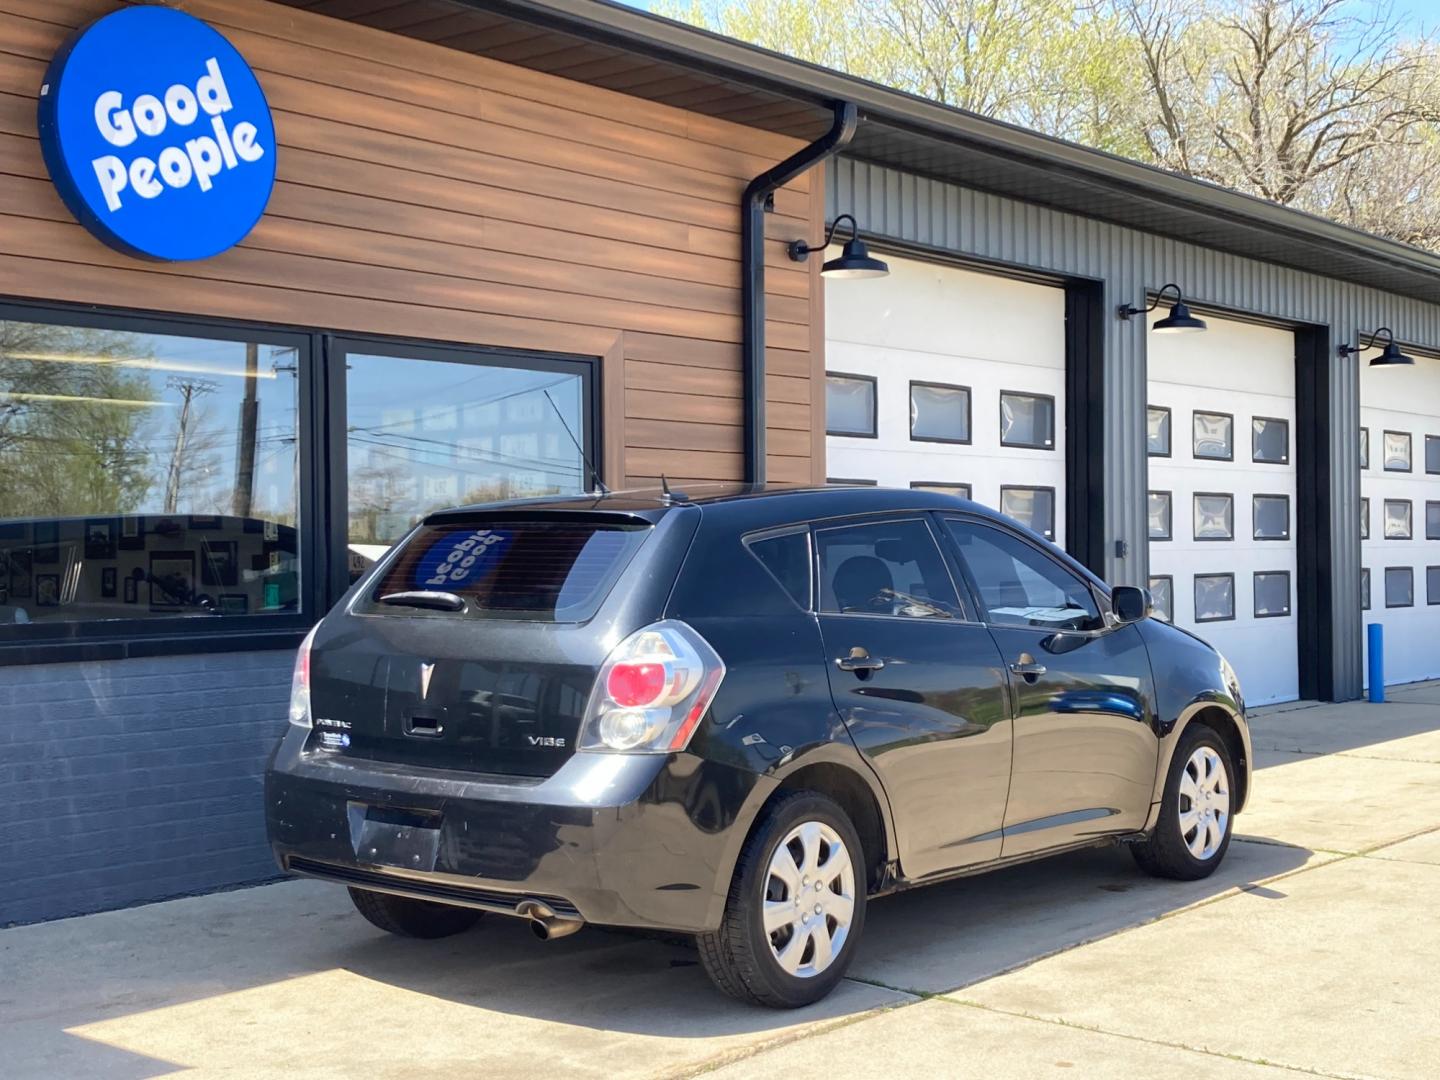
(146, 475)
(425, 432)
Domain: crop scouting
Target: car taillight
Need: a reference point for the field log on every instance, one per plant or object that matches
(300, 683)
(653, 691)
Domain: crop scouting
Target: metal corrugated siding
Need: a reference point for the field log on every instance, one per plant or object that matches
(919, 211)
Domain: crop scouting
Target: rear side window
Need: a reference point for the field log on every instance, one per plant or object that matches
(890, 568)
(787, 557)
(540, 571)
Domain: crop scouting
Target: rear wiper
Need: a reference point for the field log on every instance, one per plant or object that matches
(437, 601)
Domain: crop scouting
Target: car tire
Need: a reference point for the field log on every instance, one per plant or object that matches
(405, 917)
(1197, 810)
(826, 871)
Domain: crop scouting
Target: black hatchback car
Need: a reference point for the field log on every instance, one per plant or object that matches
(738, 714)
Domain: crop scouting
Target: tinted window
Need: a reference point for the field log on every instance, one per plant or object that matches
(1432, 453)
(1027, 420)
(884, 568)
(787, 558)
(1432, 584)
(939, 412)
(1214, 436)
(1365, 589)
(540, 571)
(1272, 594)
(1020, 585)
(1432, 521)
(1398, 524)
(1270, 440)
(1271, 517)
(1399, 586)
(1214, 517)
(1214, 597)
(1162, 597)
(1157, 424)
(1159, 515)
(1397, 451)
(849, 405)
(1364, 448)
(1364, 519)
(1032, 507)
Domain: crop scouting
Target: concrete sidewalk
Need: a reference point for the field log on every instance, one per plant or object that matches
(1313, 950)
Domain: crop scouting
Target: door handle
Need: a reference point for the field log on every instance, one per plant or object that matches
(859, 661)
(1026, 667)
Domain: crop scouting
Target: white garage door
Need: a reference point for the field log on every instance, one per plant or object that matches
(1400, 514)
(1222, 495)
(941, 377)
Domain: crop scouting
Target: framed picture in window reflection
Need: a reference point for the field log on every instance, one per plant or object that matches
(219, 563)
(107, 583)
(20, 563)
(172, 580)
(132, 587)
(47, 590)
(47, 542)
(132, 533)
(100, 536)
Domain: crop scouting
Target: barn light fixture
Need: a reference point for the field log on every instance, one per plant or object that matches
(1390, 356)
(853, 262)
(1179, 321)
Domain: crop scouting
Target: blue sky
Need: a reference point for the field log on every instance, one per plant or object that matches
(1414, 13)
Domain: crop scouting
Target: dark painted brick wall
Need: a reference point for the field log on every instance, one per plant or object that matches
(133, 780)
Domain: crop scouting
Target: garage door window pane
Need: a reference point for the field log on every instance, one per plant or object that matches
(939, 413)
(1160, 514)
(1032, 507)
(1432, 521)
(1214, 436)
(1157, 422)
(1162, 597)
(1214, 517)
(1399, 586)
(1432, 584)
(893, 569)
(1027, 420)
(147, 475)
(1272, 517)
(1270, 440)
(1364, 519)
(1365, 589)
(849, 405)
(1398, 522)
(1272, 594)
(1432, 453)
(962, 490)
(1364, 448)
(1214, 597)
(1397, 451)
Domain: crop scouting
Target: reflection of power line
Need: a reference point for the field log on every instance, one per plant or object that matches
(488, 457)
(473, 404)
(189, 390)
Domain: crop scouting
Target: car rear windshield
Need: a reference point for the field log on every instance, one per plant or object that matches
(540, 571)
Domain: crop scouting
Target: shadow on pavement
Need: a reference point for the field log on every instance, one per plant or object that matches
(1410, 713)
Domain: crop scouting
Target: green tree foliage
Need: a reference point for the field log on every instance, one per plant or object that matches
(74, 436)
(1319, 104)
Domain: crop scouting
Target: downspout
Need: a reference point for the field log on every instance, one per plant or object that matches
(758, 195)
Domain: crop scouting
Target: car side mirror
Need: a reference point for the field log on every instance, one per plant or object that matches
(1130, 603)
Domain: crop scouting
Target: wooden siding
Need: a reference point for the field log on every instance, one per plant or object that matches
(428, 193)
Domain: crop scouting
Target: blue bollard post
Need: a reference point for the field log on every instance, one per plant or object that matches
(1376, 634)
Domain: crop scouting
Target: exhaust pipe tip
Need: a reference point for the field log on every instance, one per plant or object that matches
(544, 923)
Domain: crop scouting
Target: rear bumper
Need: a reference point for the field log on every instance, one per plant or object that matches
(621, 840)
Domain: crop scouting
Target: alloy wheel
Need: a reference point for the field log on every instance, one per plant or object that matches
(809, 899)
(1204, 803)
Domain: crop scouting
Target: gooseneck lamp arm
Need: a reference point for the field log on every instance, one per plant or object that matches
(1125, 311)
(1351, 350)
(800, 250)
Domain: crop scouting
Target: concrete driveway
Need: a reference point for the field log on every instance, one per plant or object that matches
(1314, 950)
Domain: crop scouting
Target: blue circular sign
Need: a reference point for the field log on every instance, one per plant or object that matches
(157, 135)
